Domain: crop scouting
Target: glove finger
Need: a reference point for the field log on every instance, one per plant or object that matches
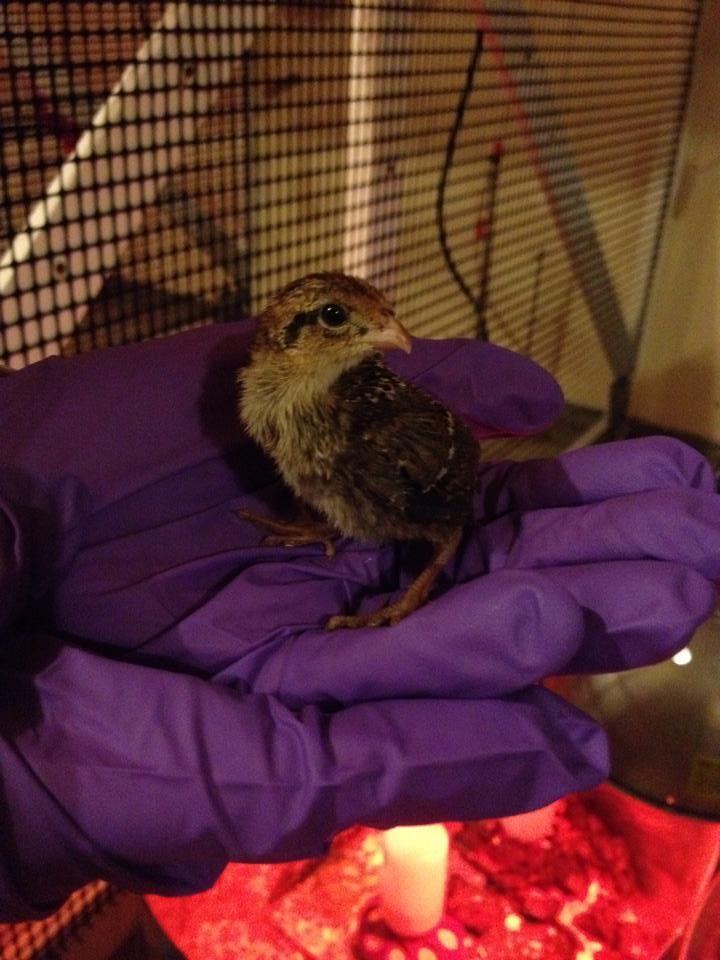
(486, 638)
(174, 404)
(67, 475)
(162, 589)
(680, 525)
(187, 592)
(496, 391)
(117, 420)
(592, 474)
(634, 612)
(155, 780)
(495, 635)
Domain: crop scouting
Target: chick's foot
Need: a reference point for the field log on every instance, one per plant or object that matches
(284, 533)
(385, 616)
(414, 597)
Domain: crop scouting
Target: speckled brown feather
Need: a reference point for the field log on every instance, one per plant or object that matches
(407, 464)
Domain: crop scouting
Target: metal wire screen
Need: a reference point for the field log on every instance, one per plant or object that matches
(500, 168)
(51, 937)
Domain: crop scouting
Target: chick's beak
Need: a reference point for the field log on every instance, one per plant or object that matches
(392, 335)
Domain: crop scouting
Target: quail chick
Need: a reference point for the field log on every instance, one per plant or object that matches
(371, 454)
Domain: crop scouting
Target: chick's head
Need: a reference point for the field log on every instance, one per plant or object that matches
(330, 318)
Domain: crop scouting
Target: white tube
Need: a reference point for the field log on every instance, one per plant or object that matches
(533, 825)
(414, 878)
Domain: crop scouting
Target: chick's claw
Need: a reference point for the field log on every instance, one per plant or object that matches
(285, 533)
(385, 616)
(413, 598)
(298, 540)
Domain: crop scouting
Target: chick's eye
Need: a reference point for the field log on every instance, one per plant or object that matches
(333, 315)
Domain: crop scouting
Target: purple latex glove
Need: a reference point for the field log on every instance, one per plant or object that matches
(170, 700)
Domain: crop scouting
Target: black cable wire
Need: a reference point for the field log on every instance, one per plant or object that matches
(245, 283)
(442, 184)
(487, 254)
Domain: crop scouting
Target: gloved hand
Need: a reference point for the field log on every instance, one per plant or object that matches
(169, 698)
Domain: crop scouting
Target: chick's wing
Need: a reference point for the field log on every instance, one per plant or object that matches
(407, 450)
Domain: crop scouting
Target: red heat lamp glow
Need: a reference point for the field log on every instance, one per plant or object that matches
(610, 878)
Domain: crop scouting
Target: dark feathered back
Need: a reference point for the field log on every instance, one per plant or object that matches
(411, 460)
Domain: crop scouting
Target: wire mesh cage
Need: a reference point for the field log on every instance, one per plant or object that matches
(500, 168)
(22, 941)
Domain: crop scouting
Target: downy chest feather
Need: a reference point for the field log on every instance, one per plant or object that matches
(292, 420)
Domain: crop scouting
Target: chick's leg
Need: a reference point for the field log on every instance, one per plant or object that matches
(414, 597)
(285, 533)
